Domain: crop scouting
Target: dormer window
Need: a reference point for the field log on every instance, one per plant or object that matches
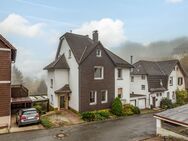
(98, 53)
(69, 53)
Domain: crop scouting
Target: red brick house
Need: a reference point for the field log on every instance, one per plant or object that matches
(7, 57)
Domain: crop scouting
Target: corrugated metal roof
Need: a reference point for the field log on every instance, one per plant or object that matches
(178, 115)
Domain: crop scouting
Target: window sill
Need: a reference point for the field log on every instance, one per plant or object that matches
(92, 103)
(119, 78)
(103, 102)
(98, 78)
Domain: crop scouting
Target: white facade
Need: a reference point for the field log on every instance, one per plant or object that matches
(62, 77)
(138, 81)
(123, 83)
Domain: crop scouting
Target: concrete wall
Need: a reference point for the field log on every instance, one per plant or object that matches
(164, 132)
(123, 83)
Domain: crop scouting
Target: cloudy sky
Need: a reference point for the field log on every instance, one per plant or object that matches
(34, 26)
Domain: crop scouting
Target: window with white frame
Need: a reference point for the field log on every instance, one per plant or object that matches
(98, 53)
(69, 53)
(119, 73)
(98, 72)
(171, 81)
(132, 78)
(180, 81)
(51, 83)
(173, 95)
(120, 92)
(104, 96)
(52, 99)
(143, 77)
(93, 97)
(143, 87)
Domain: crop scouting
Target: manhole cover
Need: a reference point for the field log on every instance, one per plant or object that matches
(60, 135)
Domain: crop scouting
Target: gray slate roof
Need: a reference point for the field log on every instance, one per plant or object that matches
(64, 89)
(157, 72)
(178, 115)
(59, 63)
(82, 46)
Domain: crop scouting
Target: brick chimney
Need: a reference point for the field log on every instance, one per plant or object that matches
(95, 36)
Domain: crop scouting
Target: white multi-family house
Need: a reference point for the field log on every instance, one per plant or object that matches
(86, 76)
(153, 80)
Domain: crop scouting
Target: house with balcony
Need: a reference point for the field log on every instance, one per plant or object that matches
(85, 75)
(151, 81)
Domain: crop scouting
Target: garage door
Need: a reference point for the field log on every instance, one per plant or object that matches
(142, 103)
(133, 102)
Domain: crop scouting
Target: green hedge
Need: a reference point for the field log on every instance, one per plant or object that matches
(95, 115)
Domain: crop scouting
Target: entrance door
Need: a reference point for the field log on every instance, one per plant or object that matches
(62, 102)
(154, 102)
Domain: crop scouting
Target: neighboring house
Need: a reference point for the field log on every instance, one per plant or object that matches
(173, 122)
(151, 81)
(7, 56)
(86, 76)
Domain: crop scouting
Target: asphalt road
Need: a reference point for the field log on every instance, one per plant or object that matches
(131, 128)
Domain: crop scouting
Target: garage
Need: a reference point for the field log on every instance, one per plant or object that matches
(133, 102)
(142, 103)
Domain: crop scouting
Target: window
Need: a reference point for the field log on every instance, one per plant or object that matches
(143, 87)
(120, 92)
(132, 78)
(93, 97)
(168, 95)
(52, 99)
(98, 72)
(171, 81)
(119, 73)
(157, 94)
(98, 53)
(104, 96)
(173, 95)
(69, 53)
(180, 81)
(51, 83)
(160, 94)
(143, 77)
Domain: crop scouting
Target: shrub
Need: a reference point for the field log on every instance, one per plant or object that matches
(181, 97)
(46, 122)
(166, 103)
(88, 116)
(98, 116)
(105, 114)
(38, 108)
(136, 110)
(117, 108)
(129, 109)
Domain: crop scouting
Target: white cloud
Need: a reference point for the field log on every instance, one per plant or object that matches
(174, 1)
(18, 25)
(111, 32)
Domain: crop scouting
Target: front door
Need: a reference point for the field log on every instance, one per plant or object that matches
(62, 102)
(153, 101)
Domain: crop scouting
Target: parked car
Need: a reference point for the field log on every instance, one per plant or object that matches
(27, 116)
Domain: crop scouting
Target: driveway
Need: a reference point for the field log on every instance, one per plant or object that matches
(15, 128)
(125, 129)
